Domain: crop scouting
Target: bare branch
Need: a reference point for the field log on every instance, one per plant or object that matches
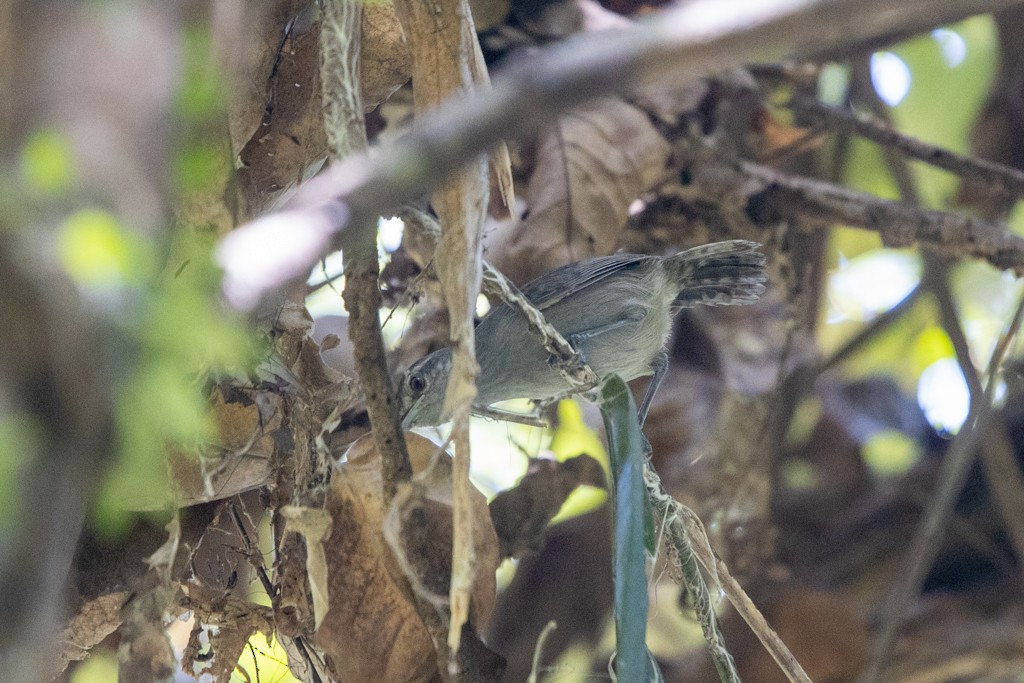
(346, 135)
(685, 43)
(899, 223)
(999, 176)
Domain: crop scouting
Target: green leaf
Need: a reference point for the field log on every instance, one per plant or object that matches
(632, 513)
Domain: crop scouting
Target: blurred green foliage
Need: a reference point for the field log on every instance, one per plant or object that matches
(890, 453)
(176, 329)
(20, 435)
(97, 252)
(47, 167)
(573, 437)
(951, 71)
(180, 334)
(99, 668)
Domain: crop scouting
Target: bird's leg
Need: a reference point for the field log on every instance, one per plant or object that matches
(659, 365)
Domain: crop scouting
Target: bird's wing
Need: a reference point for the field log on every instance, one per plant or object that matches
(550, 288)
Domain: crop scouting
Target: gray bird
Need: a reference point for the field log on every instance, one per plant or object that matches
(616, 311)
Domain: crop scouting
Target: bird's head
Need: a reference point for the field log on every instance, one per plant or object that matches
(423, 388)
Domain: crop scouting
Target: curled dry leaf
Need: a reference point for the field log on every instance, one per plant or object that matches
(372, 630)
(315, 526)
(776, 136)
(246, 421)
(522, 513)
(276, 119)
(212, 535)
(418, 529)
(94, 621)
(220, 635)
(288, 142)
(386, 59)
(145, 652)
(589, 168)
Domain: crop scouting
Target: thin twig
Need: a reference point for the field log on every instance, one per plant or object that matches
(924, 546)
(899, 223)
(690, 546)
(997, 457)
(570, 363)
(960, 456)
(999, 176)
(672, 516)
(871, 331)
(746, 608)
(1002, 472)
(538, 651)
(346, 135)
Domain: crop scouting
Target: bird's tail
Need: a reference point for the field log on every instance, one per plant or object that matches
(718, 274)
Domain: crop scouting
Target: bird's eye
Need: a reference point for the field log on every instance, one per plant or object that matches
(417, 384)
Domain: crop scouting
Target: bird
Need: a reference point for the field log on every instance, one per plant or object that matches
(616, 311)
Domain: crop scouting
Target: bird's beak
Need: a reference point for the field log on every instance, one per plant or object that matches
(408, 415)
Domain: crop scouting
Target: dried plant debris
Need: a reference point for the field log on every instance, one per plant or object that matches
(521, 514)
(589, 168)
(277, 124)
(372, 629)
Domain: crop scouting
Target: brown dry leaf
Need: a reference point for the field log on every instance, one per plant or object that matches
(372, 630)
(220, 635)
(418, 529)
(522, 513)
(385, 60)
(94, 621)
(589, 168)
(246, 421)
(489, 13)
(501, 162)
(250, 44)
(276, 119)
(288, 143)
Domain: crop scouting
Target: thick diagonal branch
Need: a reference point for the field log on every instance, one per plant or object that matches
(685, 43)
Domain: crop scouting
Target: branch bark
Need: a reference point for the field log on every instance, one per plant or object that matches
(684, 43)
(346, 136)
(999, 177)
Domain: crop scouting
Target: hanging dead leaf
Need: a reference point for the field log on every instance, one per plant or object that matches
(385, 58)
(447, 62)
(522, 513)
(589, 168)
(94, 621)
(246, 421)
(289, 143)
(418, 529)
(372, 630)
(315, 526)
(220, 635)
